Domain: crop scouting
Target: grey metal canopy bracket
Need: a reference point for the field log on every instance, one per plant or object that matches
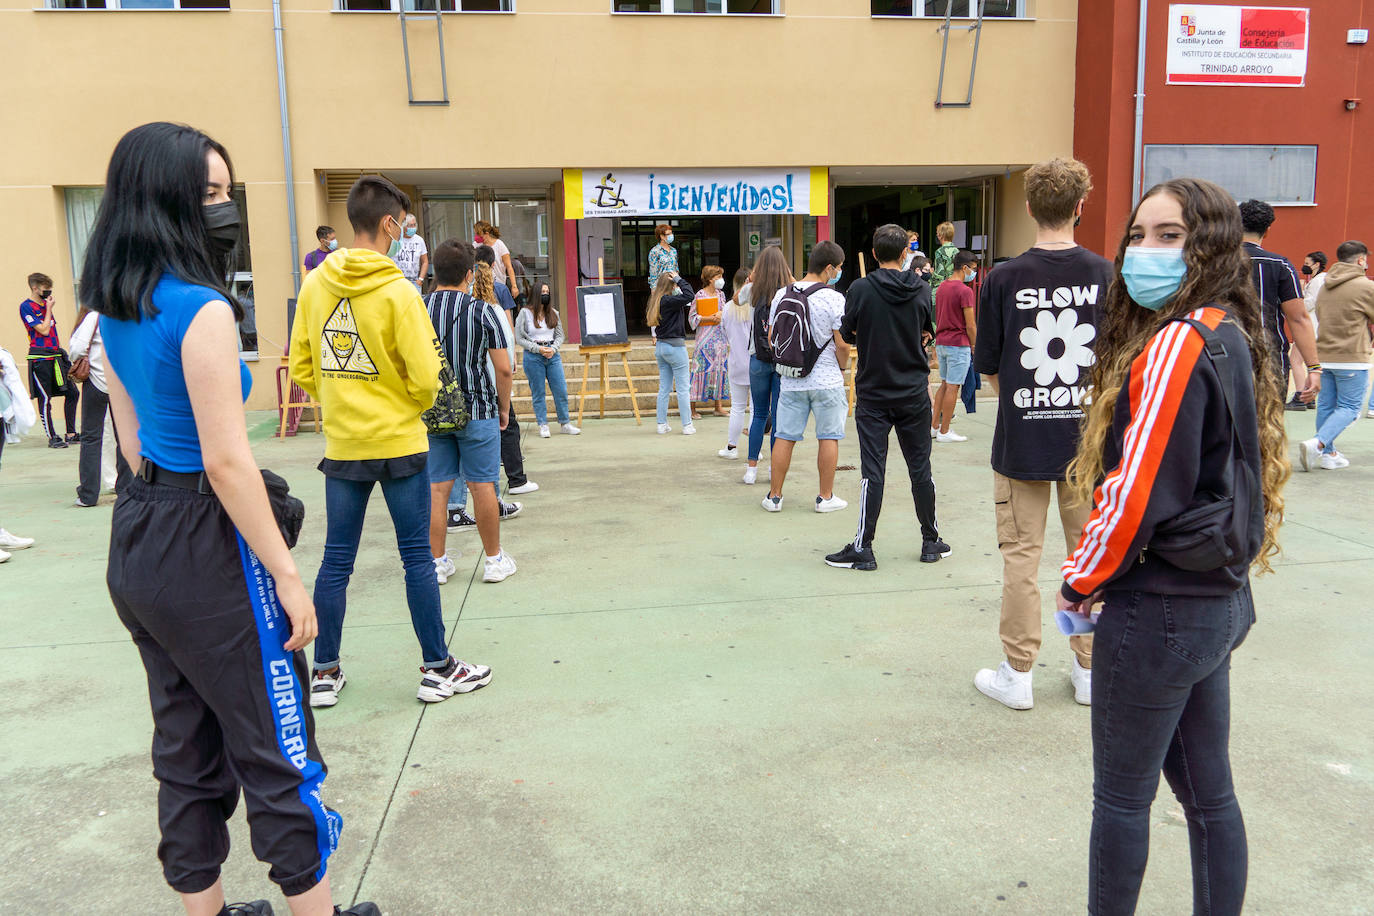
(438, 16)
(977, 29)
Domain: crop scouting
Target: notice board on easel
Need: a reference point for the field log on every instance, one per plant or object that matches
(601, 315)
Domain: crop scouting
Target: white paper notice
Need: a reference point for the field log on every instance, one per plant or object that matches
(600, 308)
(961, 233)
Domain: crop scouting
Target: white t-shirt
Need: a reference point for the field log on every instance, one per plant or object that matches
(502, 252)
(827, 311)
(412, 249)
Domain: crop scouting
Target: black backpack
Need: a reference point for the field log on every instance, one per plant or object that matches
(795, 350)
(1227, 528)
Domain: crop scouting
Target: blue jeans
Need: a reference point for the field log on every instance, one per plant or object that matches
(345, 505)
(1161, 700)
(1338, 403)
(764, 385)
(673, 370)
(538, 368)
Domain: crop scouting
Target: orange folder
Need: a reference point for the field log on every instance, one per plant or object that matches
(708, 309)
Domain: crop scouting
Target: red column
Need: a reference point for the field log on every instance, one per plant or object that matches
(823, 229)
(571, 331)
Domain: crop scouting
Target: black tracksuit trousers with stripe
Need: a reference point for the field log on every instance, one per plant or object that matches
(230, 705)
(911, 422)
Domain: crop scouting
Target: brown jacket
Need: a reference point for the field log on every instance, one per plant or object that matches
(1345, 309)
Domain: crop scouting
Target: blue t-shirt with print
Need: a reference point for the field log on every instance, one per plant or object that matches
(146, 355)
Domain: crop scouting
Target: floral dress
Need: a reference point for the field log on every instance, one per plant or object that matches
(661, 260)
(710, 358)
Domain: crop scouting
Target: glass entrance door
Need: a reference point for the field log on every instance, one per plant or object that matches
(522, 218)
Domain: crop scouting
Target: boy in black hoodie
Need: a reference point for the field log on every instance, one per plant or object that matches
(888, 314)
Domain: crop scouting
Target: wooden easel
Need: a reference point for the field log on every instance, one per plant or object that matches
(602, 352)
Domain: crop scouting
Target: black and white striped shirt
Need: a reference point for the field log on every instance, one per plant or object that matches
(467, 328)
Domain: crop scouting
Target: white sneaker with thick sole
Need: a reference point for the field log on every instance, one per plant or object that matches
(435, 686)
(1006, 685)
(1082, 680)
(498, 568)
(3, 556)
(772, 503)
(950, 436)
(689, 430)
(443, 568)
(1309, 451)
(13, 541)
(324, 688)
(664, 428)
(751, 475)
(570, 430)
(833, 504)
(1369, 414)
(730, 452)
(528, 486)
(1334, 462)
(544, 432)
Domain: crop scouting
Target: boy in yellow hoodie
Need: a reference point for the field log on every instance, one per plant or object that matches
(363, 346)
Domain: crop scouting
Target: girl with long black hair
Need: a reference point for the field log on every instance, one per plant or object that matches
(1183, 459)
(199, 570)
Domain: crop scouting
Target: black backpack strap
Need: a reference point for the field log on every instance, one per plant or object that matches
(1215, 349)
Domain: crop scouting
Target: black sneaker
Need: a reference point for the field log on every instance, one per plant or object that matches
(1296, 403)
(359, 909)
(55, 442)
(459, 520)
(851, 557)
(510, 510)
(256, 908)
(934, 551)
(73, 437)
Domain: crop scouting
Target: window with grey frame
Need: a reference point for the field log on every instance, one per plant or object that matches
(426, 6)
(1280, 175)
(710, 7)
(937, 9)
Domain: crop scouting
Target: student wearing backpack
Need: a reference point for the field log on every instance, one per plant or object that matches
(887, 314)
(804, 334)
(667, 315)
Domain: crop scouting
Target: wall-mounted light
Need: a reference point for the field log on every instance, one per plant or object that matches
(1352, 104)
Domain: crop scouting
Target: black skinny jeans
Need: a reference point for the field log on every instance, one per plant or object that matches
(1162, 701)
(94, 404)
(911, 422)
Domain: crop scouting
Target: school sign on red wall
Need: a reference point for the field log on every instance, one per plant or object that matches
(1237, 45)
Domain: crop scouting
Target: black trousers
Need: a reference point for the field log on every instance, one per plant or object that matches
(912, 425)
(94, 404)
(511, 458)
(229, 704)
(43, 384)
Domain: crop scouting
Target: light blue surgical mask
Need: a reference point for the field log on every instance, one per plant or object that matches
(333, 244)
(668, 239)
(971, 275)
(1153, 275)
(410, 232)
(395, 248)
(836, 279)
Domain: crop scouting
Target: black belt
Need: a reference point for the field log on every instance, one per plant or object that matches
(151, 473)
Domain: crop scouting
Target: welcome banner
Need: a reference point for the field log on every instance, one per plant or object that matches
(694, 192)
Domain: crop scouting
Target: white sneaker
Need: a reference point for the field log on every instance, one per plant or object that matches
(570, 430)
(664, 428)
(689, 430)
(3, 556)
(324, 688)
(544, 432)
(833, 504)
(730, 452)
(435, 687)
(751, 475)
(1369, 414)
(1006, 685)
(498, 568)
(1082, 680)
(1308, 452)
(13, 541)
(950, 436)
(934, 432)
(772, 503)
(528, 486)
(443, 568)
(1334, 462)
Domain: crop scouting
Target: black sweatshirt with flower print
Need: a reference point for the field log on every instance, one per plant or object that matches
(1037, 327)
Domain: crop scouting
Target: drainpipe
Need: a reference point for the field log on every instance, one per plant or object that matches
(1138, 151)
(286, 152)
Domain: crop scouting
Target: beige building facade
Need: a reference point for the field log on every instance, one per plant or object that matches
(544, 103)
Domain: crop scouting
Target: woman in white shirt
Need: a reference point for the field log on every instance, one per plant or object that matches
(539, 333)
(95, 405)
(738, 323)
(1313, 279)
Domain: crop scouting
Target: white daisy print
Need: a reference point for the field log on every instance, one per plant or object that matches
(1057, 346)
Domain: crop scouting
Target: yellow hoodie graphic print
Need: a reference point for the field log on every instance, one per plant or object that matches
(363, 345)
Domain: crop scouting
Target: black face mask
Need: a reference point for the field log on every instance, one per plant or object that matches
(222, 222)
(544, 298)
(1306, 271)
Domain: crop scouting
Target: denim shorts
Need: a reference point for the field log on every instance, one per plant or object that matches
(474, 454)
(954, 363)
(829, 405)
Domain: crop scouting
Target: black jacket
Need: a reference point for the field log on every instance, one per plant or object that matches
(885, 314)
(672, 312)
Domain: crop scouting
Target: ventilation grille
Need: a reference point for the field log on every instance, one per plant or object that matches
(338, 184)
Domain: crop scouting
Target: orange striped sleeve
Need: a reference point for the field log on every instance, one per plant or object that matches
(1159, 378)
